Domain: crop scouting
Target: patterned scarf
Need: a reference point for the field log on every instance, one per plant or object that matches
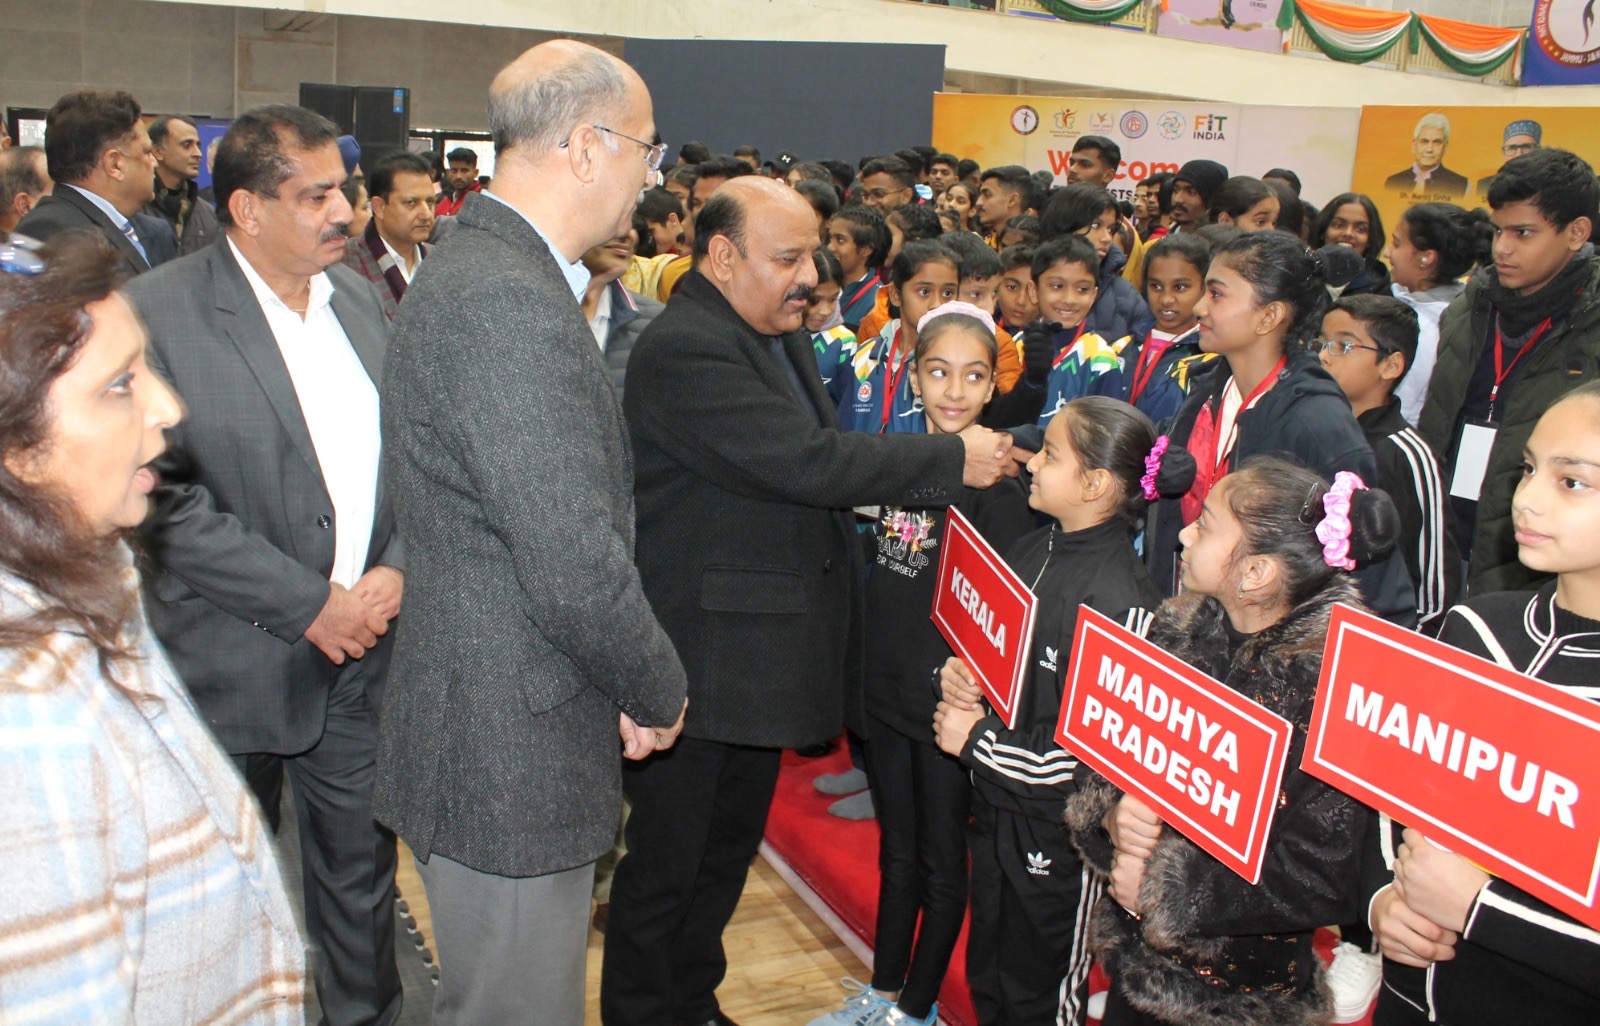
(386, 261)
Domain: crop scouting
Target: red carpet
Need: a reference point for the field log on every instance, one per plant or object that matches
(839, 861)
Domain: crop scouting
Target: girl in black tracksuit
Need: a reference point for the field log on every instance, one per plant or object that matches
(1185, 939)
(1508, 957)
(1027, 953)
(922, 795)
(1265, 297)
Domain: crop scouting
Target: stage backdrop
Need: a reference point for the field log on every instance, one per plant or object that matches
(820, 100)
(1474, 153)
(1563, 44)
(1155, 135)
(1252, 24)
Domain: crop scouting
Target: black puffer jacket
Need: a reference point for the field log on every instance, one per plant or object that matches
(1210, 948)
(1305, 418)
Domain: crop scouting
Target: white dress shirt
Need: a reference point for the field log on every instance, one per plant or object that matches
(600, 323)
(400, 261)
(340, 406)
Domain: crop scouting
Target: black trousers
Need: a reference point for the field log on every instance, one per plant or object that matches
(699, 810)
(923, 797)
(1028, 955)
(347, 860)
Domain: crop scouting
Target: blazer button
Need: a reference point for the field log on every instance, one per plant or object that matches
(323, 522)
(827, 566)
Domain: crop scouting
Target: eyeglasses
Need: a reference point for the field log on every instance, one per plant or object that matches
(1340, 347)
(19, 255)
(878, 194)
(654, 153)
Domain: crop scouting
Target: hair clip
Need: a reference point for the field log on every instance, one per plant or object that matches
(1334, 530)
(1152, 468)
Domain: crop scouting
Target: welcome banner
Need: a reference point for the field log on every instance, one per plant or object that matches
(1155, 135)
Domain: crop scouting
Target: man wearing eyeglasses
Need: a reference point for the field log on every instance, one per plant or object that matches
(528, 645)
(886, 183)
(99, 154)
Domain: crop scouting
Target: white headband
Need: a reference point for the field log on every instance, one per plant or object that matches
(958, 307)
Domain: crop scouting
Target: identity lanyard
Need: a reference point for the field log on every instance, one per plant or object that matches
(1225, 445)
(893, 374)
(869, 283)
(1068, 347)
(1502, 371)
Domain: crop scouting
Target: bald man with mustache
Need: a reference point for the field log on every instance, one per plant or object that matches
(748, 553)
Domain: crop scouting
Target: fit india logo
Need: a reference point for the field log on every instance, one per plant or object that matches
(1172, 126)
(1038, 865)
(1210, 127)
(1568, 31)
(1134, 125)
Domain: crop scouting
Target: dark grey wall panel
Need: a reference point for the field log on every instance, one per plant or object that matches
(821, 100)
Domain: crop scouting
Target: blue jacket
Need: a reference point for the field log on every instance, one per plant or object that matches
(1168, 382)
(1119, 311)
(860, 392)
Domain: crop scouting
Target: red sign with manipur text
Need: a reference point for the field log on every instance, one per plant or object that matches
(1501, 769)
(986, 613)
(1207, 759)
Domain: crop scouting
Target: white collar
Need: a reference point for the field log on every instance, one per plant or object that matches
(321, 288)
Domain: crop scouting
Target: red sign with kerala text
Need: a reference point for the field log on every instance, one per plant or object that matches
(1207, 759)
(1501, 769)
(986, 613)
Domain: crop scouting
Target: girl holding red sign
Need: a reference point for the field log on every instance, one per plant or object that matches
(1459, 946)
(1027, 952)
(922, 795)
(1186, 940)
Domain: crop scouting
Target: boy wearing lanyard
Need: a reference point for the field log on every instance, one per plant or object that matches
(1525, 332)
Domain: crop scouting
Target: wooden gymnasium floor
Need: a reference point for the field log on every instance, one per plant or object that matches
(785, 965)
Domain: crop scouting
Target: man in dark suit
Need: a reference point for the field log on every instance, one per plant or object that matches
(527, 644)
(1427, 177)
(391, 249)
(277, 563)
(749, 555)
(99, 154)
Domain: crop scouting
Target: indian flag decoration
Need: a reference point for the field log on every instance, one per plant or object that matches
(1357, 35)
(1464, 47)
(1354, 35)
(1090, 10)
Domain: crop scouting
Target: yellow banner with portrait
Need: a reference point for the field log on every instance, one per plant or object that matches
(1410, 155)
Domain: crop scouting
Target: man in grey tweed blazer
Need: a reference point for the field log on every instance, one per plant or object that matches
(527, 642)
(277, 566)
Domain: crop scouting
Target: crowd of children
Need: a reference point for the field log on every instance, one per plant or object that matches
(1252, 425)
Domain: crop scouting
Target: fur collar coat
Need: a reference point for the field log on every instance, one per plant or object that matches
(1210, 949)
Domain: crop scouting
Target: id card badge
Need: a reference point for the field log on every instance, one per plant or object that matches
(869, 512)
(1472, 459)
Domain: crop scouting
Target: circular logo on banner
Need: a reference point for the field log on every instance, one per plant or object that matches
(1172, 125)
(865, 391)
(1568, 31)
(1024, 120)
(1134, 124)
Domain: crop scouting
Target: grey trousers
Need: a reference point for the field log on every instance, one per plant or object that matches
(511, 949)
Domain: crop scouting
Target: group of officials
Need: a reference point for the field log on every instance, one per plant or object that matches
(437, 575)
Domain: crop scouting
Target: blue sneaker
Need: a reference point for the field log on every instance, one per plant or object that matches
(866, 1007)
(895, 1017)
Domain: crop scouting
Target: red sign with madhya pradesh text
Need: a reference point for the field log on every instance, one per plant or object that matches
(1203, 756)
(986, 613)
(1501, 769)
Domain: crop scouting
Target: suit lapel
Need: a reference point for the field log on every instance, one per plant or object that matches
(366, 337)
(250, 333)
(130, 254)
(797, 346)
